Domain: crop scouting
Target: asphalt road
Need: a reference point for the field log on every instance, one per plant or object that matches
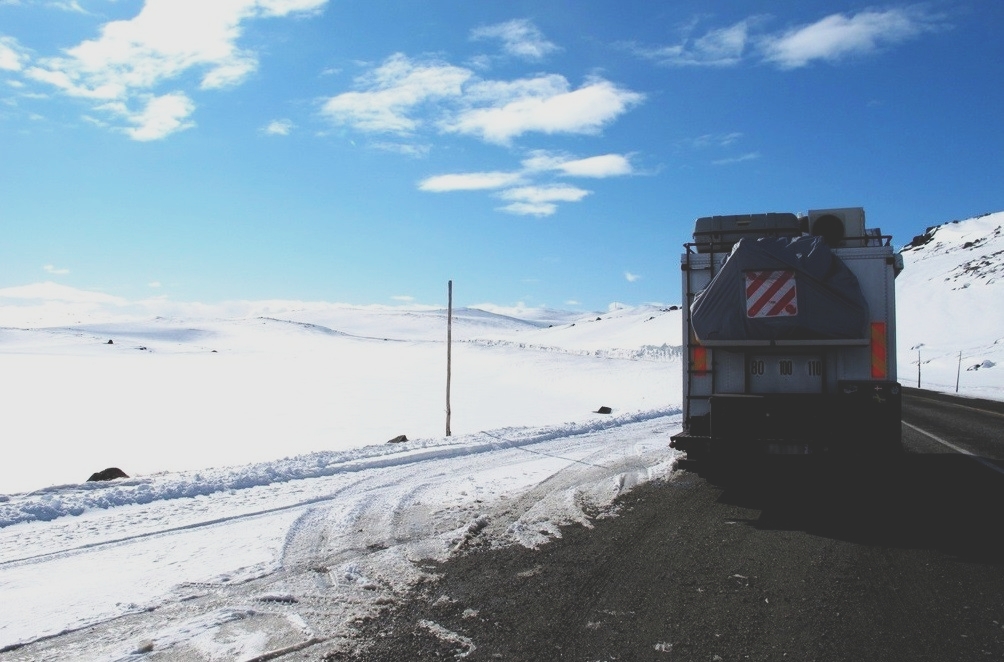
(791, 561)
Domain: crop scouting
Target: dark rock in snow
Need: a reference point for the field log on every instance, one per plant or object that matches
(604, 410)
(398, 439)
(108, 474)
(110, 342)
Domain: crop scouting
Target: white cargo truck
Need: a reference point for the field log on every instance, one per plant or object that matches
(789, 337)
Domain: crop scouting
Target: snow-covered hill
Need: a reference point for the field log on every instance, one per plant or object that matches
(950, 301)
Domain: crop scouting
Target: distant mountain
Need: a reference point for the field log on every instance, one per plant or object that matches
(950, 300)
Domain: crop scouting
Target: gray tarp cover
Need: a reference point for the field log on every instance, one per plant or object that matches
(828, 303)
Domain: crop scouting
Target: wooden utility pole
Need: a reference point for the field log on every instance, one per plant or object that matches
(449, 351)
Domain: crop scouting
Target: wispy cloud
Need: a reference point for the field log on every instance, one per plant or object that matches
(403, 96)
(749, 156)
(604, 165)
(12, 55)
(278, 128)
(55, 271)
(502, 111)
(630, 277)
(831, 39)
(414, 150)
(403, 298)
(719, 47)
(123, 71)
(470, 181)
(720, 142)
(524, 191)
(413, 99)
(539, 200)
(69, 5)
(392, 92)
(520, 38)
(714, 140)
(839, 36)
(159, 116)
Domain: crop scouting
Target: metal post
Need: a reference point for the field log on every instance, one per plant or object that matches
(958, 373)
(449, 351)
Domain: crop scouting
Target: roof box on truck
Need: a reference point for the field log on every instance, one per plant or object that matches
(840, 228)
(719, 233)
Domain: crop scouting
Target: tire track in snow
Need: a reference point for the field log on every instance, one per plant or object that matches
(355, 548)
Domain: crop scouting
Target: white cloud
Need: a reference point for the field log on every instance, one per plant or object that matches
(838, 36)
(631, 278)
(605, 165)
(749, 156)
(520, 38)
(160, 116)
(544, 105)
(413, 150)
(280, 8)
(404, 96)
(154, 284)
(392, 92)
(715, 140)
(408, 97)
(832, 38)
(540, 200)
(534, 199)
(403, 298)
(55, 271)
(719, 47)
(132, 59)
(278, 128)
(539, 209)
(545, 194)
(12, 56)
(471, 181)
(69, 5)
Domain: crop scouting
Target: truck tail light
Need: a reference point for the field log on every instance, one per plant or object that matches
(699, 360)
(880, 359)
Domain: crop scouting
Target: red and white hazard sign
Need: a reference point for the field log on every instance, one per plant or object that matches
(771, 294)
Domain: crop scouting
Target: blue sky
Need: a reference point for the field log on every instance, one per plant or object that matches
(544, 153)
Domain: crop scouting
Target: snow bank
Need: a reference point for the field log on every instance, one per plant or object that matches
(58, 501)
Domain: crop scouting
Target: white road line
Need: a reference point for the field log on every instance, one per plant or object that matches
(983, 461)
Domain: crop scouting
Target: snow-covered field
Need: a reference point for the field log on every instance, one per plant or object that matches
(216, 549)
(264, 508)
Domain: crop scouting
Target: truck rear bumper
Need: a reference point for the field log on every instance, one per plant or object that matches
(861, 417)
